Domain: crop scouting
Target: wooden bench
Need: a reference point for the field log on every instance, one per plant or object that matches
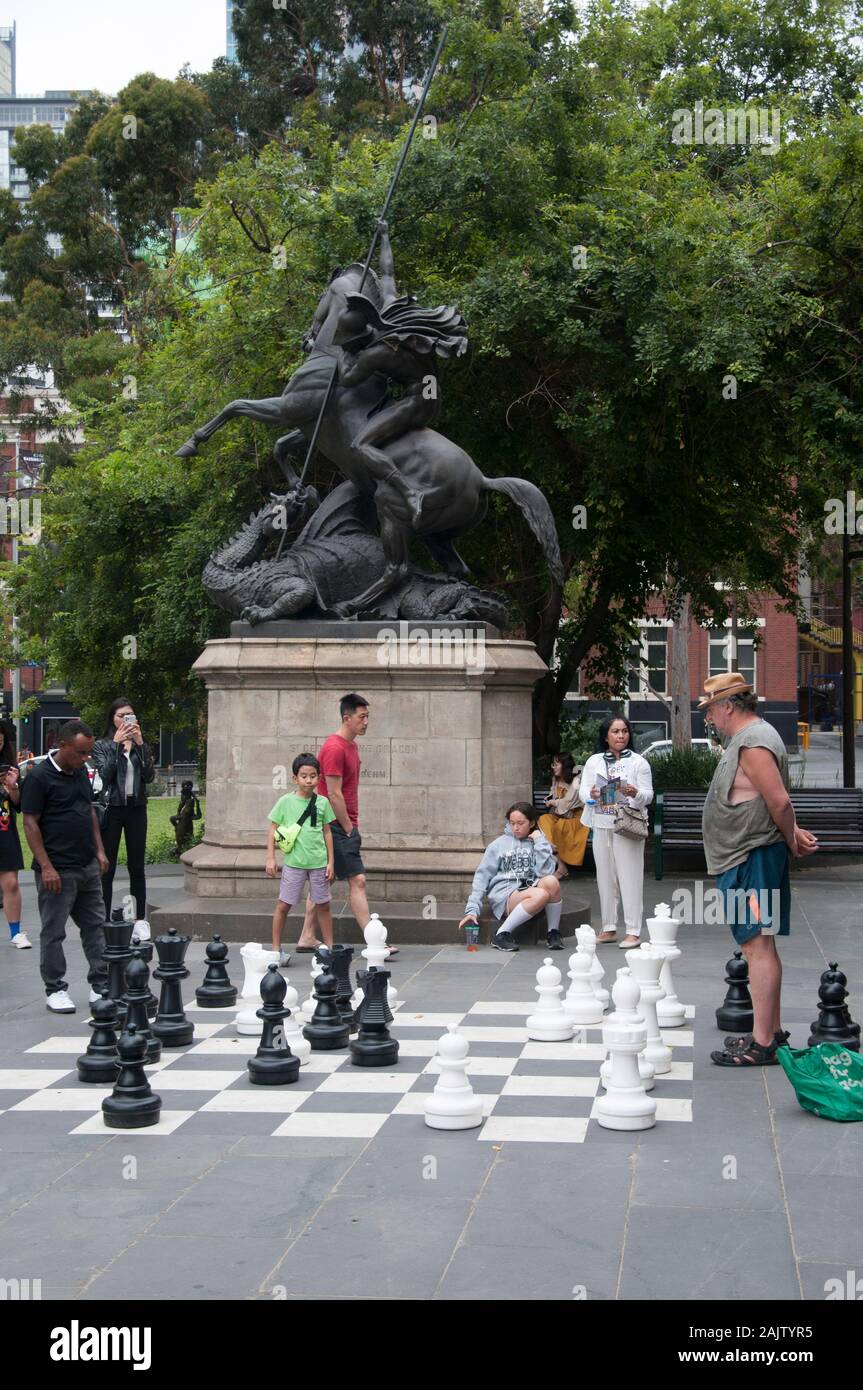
(833, 814)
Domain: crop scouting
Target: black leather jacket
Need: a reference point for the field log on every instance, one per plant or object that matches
(110, 760)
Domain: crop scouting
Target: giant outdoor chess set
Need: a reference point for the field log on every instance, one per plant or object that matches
(509, 1069)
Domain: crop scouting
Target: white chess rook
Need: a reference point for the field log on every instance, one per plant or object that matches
(581, 1004)
(586, 938)
(550, 1022)
(452, 1104)
(646, 964)
(255, 959)
(626, 1104)
(662, 930)
(300, 1047)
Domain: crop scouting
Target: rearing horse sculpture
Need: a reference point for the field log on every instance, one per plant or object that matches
(454, 491)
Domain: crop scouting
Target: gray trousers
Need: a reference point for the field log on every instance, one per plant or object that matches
(80, 898)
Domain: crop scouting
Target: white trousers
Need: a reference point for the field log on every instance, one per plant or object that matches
(620, 877)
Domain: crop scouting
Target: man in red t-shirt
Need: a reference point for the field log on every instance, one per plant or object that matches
(340, 784)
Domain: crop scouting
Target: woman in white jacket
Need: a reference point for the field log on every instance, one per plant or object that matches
(619, 859)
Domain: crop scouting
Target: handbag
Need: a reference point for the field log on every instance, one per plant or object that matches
(286, 835)
(630, 822)
(827, 1079)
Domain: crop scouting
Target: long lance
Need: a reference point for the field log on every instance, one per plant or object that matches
(391, 190)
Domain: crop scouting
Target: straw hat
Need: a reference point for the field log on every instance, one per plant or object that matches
(723, 687)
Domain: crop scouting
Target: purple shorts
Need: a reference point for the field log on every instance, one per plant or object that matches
(291, 886)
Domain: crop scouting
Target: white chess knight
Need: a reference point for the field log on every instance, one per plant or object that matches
(662, 930)
(581, 1004)
(255, 960)
(646, 1069)
(550, 1022)
(586, 938)
(452, 1104)
(293, 1037)
(626, 1104)
(307, 1007)
(646, 964)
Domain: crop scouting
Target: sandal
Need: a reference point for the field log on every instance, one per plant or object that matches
(738, 1043)
(753, 1055)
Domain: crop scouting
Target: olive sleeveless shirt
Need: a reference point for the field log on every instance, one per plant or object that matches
(731, 832)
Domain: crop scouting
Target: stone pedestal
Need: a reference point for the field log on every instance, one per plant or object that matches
(448, 748)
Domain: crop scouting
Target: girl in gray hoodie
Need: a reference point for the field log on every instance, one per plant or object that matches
(516, 874)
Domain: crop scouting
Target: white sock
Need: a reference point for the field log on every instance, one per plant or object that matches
(518, 915)
(552, 915)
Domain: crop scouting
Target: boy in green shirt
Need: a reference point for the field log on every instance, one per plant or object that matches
(300, 827)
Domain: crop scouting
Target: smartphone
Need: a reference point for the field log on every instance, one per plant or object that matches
(128, 719)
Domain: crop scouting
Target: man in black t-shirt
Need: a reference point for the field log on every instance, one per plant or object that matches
(62, 830)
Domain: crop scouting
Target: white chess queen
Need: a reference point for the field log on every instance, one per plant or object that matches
(617, 772)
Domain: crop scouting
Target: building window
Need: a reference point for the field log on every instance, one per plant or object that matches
(648, 663)
(722, 659)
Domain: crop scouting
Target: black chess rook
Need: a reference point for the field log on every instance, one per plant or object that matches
(274, 1064)
(170, 1025)
(216, 991)
(99, 1063)
(834, 1022)
(132, 1104)
(118, 953)
(373, 1046)
(135, 999)
(327, 1030)
(735, 1015)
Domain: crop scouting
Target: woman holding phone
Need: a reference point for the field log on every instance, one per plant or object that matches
(125, 765)
(11, 858)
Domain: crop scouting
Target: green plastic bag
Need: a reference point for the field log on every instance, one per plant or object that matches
(827, 1079)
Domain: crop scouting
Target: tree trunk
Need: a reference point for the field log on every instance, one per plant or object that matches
(681, 716)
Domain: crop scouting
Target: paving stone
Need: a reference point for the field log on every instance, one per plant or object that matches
(689, 1254)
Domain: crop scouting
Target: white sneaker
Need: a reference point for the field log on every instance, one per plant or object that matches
(94, 997)
(22, 941)
(60, 1003)
(141, 930)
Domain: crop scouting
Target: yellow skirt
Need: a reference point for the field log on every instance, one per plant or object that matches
(567, 835)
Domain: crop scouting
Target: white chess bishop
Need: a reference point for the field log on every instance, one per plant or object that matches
(662, 930)
(586, 938)
(550, 1022)
(255, 960)
(581, 1005)
(293, 1037)
(626, 1104)
(375, 953)
(452, 1104)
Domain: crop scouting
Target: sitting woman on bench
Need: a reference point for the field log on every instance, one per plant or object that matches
(561, 825)
(516, 873)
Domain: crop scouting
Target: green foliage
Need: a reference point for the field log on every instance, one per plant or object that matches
(687, 767)
(579, 737)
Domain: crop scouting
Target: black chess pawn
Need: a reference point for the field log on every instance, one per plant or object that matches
(170, 1025)
(132, 1104)
(735, 1014)
(146, 949)
(216, 992)
(327, 1030)
(118, 936)
(99, 1063)
(135, 999)
(341, 968)
(834, 1022)
(274, 1064)
(373, 1046)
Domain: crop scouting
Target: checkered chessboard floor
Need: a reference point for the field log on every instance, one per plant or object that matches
(534, 1092)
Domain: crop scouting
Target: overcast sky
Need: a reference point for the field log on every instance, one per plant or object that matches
(82, 44)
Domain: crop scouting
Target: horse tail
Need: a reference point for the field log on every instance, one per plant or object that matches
(537, 512)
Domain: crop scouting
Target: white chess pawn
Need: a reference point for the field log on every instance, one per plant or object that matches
(255, 959)
(308, 1005)
(646, 964)
(581, 1004)
(646, 1070)
(625, 1105)
(662, 929)
(550, 1023)
(293, 1037)
(452, 1104)
(586, 938)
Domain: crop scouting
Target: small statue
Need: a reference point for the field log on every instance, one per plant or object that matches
(188, 811)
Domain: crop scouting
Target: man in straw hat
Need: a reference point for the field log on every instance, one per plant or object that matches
(749, 830)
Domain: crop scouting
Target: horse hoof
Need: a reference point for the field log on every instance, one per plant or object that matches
(188, 450)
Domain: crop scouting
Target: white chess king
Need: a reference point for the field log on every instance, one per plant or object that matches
(662, 929)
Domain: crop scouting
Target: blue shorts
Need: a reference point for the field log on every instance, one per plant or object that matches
(758, 894)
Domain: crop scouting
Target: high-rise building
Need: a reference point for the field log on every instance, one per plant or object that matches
(53, 109)
(230, 41)
(7, 60)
